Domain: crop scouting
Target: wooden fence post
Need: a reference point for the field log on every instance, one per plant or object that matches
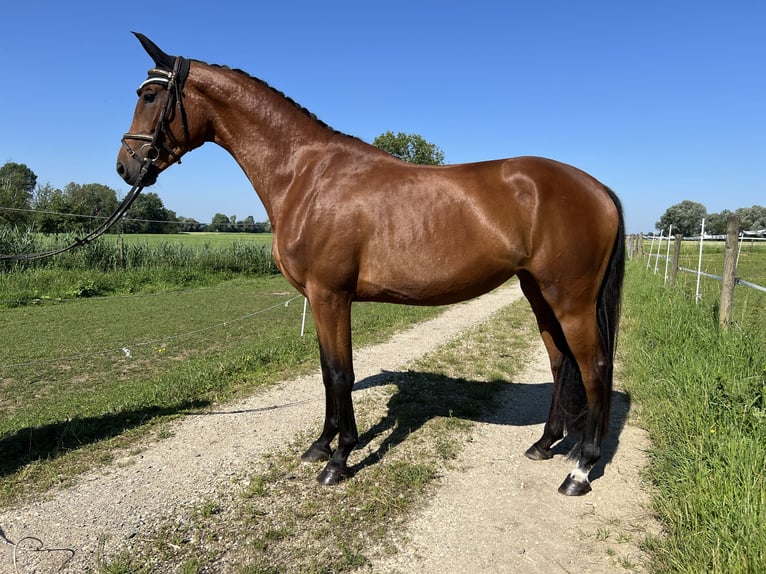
(729, 270)
(121, 252)
(676, 258)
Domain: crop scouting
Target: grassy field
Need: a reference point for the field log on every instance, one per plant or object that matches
(749, 304)
(199, 238)
(702, 395)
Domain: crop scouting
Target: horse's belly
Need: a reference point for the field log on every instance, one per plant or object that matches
(432, 282)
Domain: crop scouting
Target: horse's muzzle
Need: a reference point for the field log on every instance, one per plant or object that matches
(131, 172)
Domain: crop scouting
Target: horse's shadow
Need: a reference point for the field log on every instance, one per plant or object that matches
(420, 397)
(47, 442)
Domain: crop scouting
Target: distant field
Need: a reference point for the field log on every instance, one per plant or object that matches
(212, 238)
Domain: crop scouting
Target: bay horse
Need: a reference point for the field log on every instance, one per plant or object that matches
(353, 223)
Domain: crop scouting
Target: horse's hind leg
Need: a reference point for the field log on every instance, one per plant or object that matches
(582, 383)
(553, 338)
(596, 370)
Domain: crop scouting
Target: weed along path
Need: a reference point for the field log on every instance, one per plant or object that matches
(493, 510)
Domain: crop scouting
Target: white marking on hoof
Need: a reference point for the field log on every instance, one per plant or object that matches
(579, 475)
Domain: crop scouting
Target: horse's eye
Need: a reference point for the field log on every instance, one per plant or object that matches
(149, 97)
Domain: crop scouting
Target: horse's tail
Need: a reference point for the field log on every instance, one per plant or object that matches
(572, 399)
(610, 296)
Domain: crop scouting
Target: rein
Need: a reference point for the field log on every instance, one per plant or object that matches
(173, 81)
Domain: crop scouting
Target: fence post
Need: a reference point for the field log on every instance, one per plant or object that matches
(729, 270)
(651, 250)
(676, 258)
(657, 257)
(667, 253)
(697, 294)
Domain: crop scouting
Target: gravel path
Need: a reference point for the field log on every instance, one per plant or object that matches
(499, 513)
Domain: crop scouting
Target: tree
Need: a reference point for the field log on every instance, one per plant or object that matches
(220, 222)
(753, 218)
(247, 225)
(411, 148)
(50, 207)
(17, 182)
(716, 223)
(148, 215)
(93, 201)
(187, 224)
(686, 218)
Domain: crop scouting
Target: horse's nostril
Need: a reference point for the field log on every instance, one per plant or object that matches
(121, 169)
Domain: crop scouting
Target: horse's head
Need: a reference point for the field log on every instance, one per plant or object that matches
(159, 134)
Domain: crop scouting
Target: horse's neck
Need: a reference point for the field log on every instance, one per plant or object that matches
(266, 134)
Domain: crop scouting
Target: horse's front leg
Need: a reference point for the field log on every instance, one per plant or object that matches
(332, 317)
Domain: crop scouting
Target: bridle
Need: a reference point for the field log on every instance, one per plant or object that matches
(173, 81)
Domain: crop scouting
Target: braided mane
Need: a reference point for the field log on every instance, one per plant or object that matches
(261, 82)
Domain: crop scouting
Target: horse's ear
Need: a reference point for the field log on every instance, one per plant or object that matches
(161, 59)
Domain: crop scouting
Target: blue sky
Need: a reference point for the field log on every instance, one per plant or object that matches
(662, 101)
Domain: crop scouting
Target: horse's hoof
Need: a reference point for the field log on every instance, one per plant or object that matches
(534, 452)
(316, 454)
(333, 474)
(574, 487)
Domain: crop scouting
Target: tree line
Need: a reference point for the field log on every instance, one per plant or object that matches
(686, 218)
(80, 207)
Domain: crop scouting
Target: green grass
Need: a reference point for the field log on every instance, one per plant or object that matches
(702, 396)
(70, 394)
